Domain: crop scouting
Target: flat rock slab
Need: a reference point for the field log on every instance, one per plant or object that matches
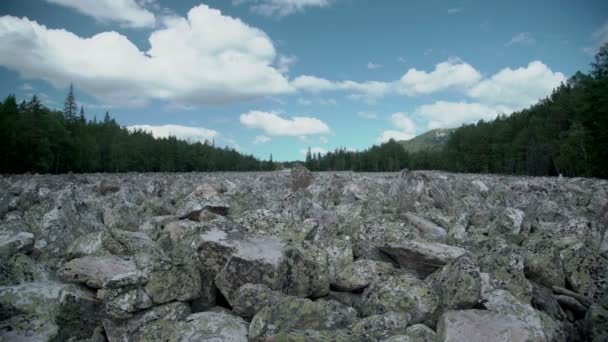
(423, 258)
(96, 271)
(482, 326)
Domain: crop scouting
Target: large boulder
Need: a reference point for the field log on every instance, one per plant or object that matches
(585, 270)
(359, 274)
(457, 285)
(300, 313)
(423, 258)
(426, 228)
(50, 309)
(401, 294)
(483, 326)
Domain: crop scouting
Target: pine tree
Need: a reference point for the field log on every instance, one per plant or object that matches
(82, 119)
(70, 108)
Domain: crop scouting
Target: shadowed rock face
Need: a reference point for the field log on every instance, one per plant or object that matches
(292, 255)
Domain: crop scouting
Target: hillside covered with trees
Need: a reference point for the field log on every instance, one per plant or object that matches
(34, 138)
(565, 133)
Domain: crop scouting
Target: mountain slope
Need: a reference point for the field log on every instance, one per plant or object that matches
(430, 140)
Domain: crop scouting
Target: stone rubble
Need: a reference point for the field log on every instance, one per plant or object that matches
(415, 256)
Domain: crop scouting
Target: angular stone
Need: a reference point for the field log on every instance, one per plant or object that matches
(426, 227)
(360, 274)
(378, 327)
(96, 271)
(401, 294)
(482, 326)
(249, 299)
(422, 257)
(299, 313)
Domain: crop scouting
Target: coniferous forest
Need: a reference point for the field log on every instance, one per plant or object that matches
(565, 133)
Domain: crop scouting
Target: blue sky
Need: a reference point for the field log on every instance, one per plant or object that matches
(272, 76)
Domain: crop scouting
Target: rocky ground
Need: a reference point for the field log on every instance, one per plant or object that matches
(291, 256)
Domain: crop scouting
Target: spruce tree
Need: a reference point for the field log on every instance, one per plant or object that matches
(70, 108)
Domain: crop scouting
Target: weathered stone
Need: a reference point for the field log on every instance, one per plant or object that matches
(299, 313)
(457, 286)
(97, 271)
(482, 326)
(378, 327)
(70, 310)
(420, 333)
(422, 257)
(249, 299)
(426, 228)
(360, 274)
(596, 322)
(401, 294)
(586, 272)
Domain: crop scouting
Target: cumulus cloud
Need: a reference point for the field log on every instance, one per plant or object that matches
(455, 10)
(407, 129)
(129, 13)
(452, 73)
(284, 62)
(522, 38)
(313, 150)
(260, 139)
(275, 125)
(282, 8)
(187, 133)
(517, 88)
(443, 114)
(204, 58)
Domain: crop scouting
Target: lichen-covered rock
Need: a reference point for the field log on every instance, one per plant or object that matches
(97, 271)
(483, 326)
(422, 257)
(251, 298)
(378, 327)
(202, 326)
(300, 313)
(50, 309)
(596, 322)
(585, 270)
(401, 294)
(360, 274)
(501, 301)
(131, 329)
(426, 228)
(505, 266)
(457, 285)
(420, 333)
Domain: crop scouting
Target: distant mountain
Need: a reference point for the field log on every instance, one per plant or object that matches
(431, 140)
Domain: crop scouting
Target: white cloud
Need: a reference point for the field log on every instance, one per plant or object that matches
(401, 59)
(455, 10)
(281, 8)
(204, 58)
(522, 38)
(181, 132)
(368, 90)
(304, 102)
(517, 88)
(407, 129)
(260, 139)
(452, 73)
(368, 115)
(373, 66)
(129, 13)
(273, 124)
(323, 140)
(313, 150)
(395, 135)
(444, 114)
(285, 62)
(26, 86)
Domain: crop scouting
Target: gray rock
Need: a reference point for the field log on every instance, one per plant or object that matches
(401, 294)
(422, 257)
(420, 333)
(482, 326)
(360, 274)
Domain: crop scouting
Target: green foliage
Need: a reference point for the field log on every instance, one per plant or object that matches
(566, 133)
(36, 139)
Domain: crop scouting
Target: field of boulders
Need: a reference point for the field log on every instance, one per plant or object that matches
(415, 256)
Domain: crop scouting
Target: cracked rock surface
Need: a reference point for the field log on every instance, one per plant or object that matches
(299, 256)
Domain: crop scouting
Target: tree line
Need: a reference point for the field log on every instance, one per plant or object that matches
(563, 134)
(34, 138)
